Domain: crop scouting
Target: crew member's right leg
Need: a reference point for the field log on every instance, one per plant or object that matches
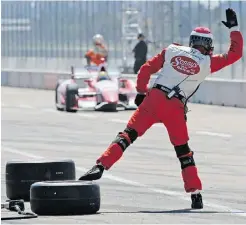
(175, 123)
(141, 120)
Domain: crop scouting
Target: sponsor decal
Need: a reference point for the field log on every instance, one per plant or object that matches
(185, 65)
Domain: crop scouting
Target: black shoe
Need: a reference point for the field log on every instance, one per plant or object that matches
(95, 173)
(196, 200)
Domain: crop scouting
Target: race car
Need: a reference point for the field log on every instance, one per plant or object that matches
(94, 88)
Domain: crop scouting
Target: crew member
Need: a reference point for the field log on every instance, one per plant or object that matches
(99, 53)
(166, 101)
(140, 53)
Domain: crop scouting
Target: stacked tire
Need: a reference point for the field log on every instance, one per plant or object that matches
(51, 188)
(20, 176)
(65, 198)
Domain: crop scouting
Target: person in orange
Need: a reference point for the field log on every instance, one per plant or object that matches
(181, 71)
(99, 53)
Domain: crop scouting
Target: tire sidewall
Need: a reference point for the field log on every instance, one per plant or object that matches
(71, 92)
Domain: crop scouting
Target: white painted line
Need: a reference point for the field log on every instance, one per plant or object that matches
(234, 212)
(126, 121)
(118, 121)
(213, 134)
(25, 106)
(15, 151)
(160, 125)
(50, 110)
(87, 115)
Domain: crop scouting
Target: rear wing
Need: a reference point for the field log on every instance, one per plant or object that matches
(81, 73)
(93, 71)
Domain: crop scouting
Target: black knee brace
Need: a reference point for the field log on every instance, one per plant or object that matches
(132, 134)
(185, 161)
(182, 150)
(122, 141)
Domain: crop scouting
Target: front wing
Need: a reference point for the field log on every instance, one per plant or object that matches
(127, 101)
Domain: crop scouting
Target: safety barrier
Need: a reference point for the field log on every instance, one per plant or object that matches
(212, 91)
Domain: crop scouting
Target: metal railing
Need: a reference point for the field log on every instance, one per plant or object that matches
(55, 35)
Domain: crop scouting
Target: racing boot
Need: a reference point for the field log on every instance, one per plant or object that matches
(106, 160)
(95, 173)
(112, 154)
(196, 200)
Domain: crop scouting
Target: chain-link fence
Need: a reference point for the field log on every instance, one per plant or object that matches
(56, 34)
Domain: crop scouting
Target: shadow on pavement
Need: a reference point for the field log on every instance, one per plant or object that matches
(171, 211)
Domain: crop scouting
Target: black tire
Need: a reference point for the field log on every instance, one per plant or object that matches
(71, 92)
(56, 97)
(123, 98)
(110, 108)
(20, 176)
(65, 198)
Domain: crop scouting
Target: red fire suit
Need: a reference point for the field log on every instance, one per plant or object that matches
(157, 108)
(98, 55)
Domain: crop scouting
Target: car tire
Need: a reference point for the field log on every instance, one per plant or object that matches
(20, 176)
(71, 92)
(65, 198)
(112, 108)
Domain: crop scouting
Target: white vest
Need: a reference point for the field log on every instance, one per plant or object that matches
(183, 63)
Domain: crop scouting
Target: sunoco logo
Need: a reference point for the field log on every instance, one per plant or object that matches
(185, 65)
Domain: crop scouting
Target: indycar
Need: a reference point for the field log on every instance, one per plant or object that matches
(92, 87)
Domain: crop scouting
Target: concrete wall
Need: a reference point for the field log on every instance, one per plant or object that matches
(212, 91)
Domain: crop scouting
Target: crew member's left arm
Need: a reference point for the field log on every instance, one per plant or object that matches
(235, 52)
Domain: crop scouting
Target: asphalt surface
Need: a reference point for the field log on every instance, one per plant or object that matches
(145, 186)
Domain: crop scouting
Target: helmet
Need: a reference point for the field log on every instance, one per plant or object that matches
(98, 39)
(102, 76)
(202, 36)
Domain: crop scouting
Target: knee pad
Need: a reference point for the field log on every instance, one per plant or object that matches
(124, 139)
(132, 134)
(182, 150)
(185, 155)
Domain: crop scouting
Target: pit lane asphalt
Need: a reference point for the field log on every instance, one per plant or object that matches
(145, 186)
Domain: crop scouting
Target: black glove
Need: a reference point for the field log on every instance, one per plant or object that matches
(139, 99)
(231, 19)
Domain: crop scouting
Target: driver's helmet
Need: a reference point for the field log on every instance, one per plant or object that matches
(102, 76)
(98, 39)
